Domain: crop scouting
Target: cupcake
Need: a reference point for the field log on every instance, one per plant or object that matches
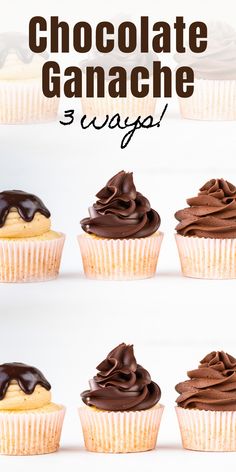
(206, 232)
(206, 408)
(122, 413)
(214, 96)
(29, 422)
(29, 250)
(121, 240)
(21, 96)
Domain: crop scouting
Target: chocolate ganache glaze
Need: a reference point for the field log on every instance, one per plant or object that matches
(26, 204)
(121, 211)
(121, 384)
(212, 214)
(17, 43)
(26, 376)
(212, 386)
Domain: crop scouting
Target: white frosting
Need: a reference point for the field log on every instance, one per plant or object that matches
(218, 61)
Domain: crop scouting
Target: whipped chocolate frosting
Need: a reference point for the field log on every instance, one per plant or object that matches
(17, 43)
(26, 376)
(212, 386)
(26, 204)
(218, 61)
(121, 211)
(212, 214)
(121, 384)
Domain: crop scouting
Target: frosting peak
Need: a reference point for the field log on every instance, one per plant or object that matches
(212, 386)
(121, 384)
(121, 211)
(212, 214)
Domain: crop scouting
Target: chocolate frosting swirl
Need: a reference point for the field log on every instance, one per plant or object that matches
(121, 211)
(212, 386)
(26, 376)
(26, 204)
(212, 214)
(17, 43)
(121, 384)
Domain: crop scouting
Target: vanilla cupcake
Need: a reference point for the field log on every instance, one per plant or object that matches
(122, 413)
(214, 96)
(21, 96)
(29, 422)
(206, 408)
(29, 250)
(206, 232)
(121, 240)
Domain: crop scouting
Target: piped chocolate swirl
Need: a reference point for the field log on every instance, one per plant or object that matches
(26, 376)
(25, 203)
(17, 43)
(121, 384)
(212, 386)
(121, 211)
(212, 214)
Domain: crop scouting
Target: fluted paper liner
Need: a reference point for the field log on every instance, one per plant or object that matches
(30, 261)
(211, 100)
(22, 101)
(207, 258)
(126, 107)
(120, 259)
(207, 430)
(128, 431)
(30, 433)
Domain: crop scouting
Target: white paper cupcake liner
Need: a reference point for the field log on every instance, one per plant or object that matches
(120, 259)
(129, 431)
(22, 101)
(211, 100)
(207, 258)
(126, 107)
(30, 433)
(207, 430)
(30, 261)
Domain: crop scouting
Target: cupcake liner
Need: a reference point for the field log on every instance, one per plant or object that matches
(120, 259)
(211, 100)
(30, 261)
(22, 101)
(30, 433)
(126, 107)
(128, 431)
(207, 258)
(207, 430)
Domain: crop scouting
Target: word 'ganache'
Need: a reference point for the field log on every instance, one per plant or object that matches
(126, 38)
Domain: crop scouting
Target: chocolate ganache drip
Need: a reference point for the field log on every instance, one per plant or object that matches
(26, 376)
(121, 211)
(212, 214)
(121, 384)
(212, 386)
(17, 43)
(26, 204)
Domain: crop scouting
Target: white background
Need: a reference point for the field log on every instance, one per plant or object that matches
(66, 327)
